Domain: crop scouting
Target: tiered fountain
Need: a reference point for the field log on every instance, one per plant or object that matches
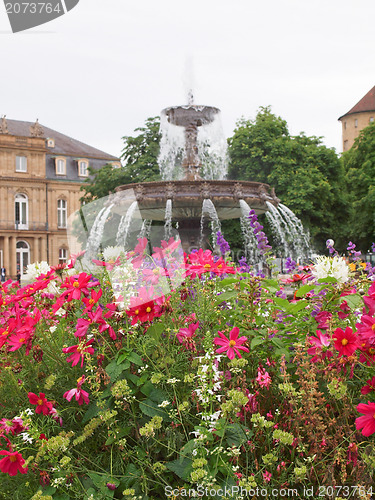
(190, 200)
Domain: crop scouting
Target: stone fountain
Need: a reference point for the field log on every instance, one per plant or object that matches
(189, 200)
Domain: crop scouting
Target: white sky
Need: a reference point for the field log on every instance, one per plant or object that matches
(99, 71)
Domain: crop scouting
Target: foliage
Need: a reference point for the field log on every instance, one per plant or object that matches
(139, 155)
(359, 163)
(307, 176)
(111, 392)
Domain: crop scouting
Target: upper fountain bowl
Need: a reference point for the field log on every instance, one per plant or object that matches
(191, 115)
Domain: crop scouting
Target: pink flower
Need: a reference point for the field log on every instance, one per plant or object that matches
(108, 265)
(263, 378)
(42, 405)
(231, 346)
(369, 300)
(320, 343)
(78, 352)
(344, 310)
(346, 341)
(267, 476)
(367, 422)
(80, 395)
(187, 333)
(323, 319)
(12, 463)
(366, 329)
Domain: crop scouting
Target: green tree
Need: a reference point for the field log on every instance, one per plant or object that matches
(308, 177)
(139, 155)
(359, 164)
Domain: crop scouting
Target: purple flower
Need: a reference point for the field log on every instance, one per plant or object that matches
(351, 249)
(262, 240)
(244, 266)
(111, 486)
(373, 248)
(222, 243)
(290, 265)
(331, 248)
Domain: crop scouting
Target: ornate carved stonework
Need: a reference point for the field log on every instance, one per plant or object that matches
(237, 191)
(4, 125)
(205, 190)
(36, 130)
(139, 192)
(170, 190)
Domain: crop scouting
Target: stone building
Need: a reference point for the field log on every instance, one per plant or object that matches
(41, 173)
(359, 117)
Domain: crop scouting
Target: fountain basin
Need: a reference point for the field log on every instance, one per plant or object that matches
(191, 115)
(187, 197)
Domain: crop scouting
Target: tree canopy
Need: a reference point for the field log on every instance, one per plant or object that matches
(308, 177)
(140, 157)
(359, 163)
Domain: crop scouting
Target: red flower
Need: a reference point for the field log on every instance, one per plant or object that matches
(78, 352)
(92, 300)
(42, 405)
(144, 307)
(12, 463)
(344, 310)
(369, 300)
(297, 278)
(231, 346)
(203, 262)
(76, 285)
(323, 319)
(319, 351)
(367, 422)
(366, 329)
(346, 342)
(108, 265)
(369, 387)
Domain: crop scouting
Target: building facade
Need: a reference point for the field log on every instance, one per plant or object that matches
(359, 117)
(41, 173)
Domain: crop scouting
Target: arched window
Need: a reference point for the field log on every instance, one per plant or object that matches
(23, 257)
(61, 213)
(60, 164)
(63, 255)
(21, 211)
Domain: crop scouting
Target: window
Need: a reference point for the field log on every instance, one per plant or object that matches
(60, 166)
(346, 145)
(21, 212)
(50, 142)
(61, 213)
(21, 164)
(344, 125)
(83, 167)
(356, 123)
(371, 119)
(63, 255)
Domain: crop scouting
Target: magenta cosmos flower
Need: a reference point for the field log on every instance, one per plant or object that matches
(231, 346)
(346, 342)
(80, 395)
(78, 352)
(12, 463)
(367, 421)
(42, 405)
(320, 344)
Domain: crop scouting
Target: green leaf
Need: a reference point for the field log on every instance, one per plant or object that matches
(181, 467)
(226, 296)
(92, 411)
(328, 279)
(304, 289)
(354, 300)
(147, 388)
(132, 474)
(156, 330)
(271, 285)
(236, 435)
(294, 308)
(135, 358)
(256, 341)
(114, 370)
(283, 303)
(151, 409)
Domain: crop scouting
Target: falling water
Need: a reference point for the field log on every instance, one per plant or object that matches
(96, 233)
(209, 211)
(290, 231)
(168, 220)
(278, 229)
(212, 149)
(145, 229)
(251, 248)
(124, 226)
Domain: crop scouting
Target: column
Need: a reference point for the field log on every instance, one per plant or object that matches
(43, 255)
(6, 254)
(13, 256)
(35, 254)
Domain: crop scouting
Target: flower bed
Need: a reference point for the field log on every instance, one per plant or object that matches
(158, 376)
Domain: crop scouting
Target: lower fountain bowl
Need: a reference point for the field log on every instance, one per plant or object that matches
(188, 196)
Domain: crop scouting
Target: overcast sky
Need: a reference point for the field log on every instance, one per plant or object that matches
(99, 71)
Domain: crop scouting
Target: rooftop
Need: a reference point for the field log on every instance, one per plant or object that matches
(64, 145)
(367, 103)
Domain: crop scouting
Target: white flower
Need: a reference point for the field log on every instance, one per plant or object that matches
(29, 411)
(335, 267)
(53, 328)
(37, 269)
(26, 437)
(173, 380)
(112, 253)
(164, 404)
